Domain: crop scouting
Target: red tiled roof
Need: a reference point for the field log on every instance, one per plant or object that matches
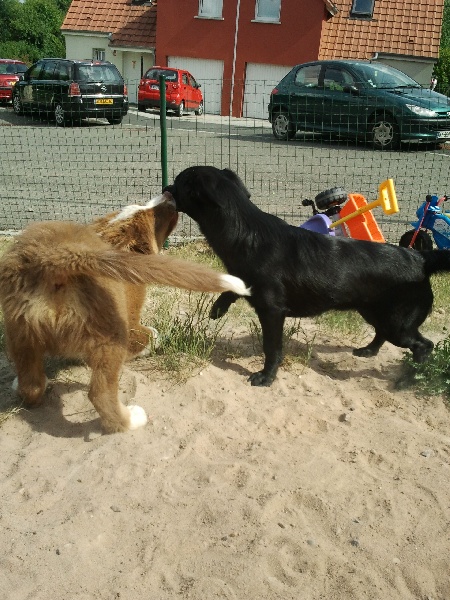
(398, 27)
(131, 25)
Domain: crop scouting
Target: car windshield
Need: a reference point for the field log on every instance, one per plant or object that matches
(11, 68)
(155, 73)
(383, 77)
(98, 74)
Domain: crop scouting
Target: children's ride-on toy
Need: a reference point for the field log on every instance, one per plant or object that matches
(354, 219)
(431, 219)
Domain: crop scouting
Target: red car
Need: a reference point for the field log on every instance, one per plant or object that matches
(182, 91)
(9, 74)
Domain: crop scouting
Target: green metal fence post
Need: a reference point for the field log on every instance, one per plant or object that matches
(163, 126)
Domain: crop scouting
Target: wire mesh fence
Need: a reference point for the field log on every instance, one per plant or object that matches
(83, 171)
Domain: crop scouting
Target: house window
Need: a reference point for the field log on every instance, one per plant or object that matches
(268, 10)
(210, 8)
(98, 54)
(362, 8)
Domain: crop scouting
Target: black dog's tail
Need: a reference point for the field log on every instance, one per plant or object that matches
(436, 261)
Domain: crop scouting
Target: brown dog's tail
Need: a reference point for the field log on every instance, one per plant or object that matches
(58, 265)
(56, 252)
(165, 270)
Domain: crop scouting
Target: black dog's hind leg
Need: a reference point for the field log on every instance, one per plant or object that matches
(372, 348)
(222, 304)
(272, 332)
(421, 348)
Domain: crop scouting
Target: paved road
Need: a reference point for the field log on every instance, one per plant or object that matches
(81, 172)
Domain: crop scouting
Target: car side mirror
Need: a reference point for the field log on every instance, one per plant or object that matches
(199, 85)
(351, 89)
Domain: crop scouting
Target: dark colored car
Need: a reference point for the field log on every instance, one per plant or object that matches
(10, 70)
(358, 99)
(72, 90)
(182, 91)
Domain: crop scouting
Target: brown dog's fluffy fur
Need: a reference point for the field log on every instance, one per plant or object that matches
(76, 291)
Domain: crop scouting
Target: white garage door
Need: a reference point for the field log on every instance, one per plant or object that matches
(259, 82)
(209, 73)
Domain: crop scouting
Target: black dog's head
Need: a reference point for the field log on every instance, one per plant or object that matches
(201, 188)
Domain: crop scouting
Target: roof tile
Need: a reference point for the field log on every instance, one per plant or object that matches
(131, 25)
(397, 27)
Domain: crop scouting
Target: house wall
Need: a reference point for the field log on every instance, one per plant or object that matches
(420, 70)
(181, 33)
(81, 46)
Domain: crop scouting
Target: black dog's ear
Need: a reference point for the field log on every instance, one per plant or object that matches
(237, 180)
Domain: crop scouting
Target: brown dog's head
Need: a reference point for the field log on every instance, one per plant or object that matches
(142, 229)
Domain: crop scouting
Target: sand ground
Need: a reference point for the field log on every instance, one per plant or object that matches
(328, 485)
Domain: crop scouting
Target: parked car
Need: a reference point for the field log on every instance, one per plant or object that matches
(358, 99)
(72, 90)
(182, 91)
(9, 76)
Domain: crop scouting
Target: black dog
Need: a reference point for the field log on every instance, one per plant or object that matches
(294, 272)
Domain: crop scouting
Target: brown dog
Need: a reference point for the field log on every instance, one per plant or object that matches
(67, 292)
(141, 229)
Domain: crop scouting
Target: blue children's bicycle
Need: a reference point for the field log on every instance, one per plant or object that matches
(432, 219)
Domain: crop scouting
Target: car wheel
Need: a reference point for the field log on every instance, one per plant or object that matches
(199, 110)
(141, 107)
(384, 133)
(17, 104)
(179, 111)
(60, 115)
(282, 127)
(114, 120)
(423, 240)
(331, 197)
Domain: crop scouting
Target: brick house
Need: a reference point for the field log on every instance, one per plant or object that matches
(239, 49)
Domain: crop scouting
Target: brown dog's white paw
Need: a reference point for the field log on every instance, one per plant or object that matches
(15, 383)
(153, 343)
(138, 417)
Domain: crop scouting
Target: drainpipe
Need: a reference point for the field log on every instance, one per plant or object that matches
(233, 71)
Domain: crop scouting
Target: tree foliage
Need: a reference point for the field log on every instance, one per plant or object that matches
(31, 29)
(442, 67)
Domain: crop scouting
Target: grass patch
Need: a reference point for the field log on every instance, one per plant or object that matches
(187, 334)
(7, 412)
(294, 334)
(346, 323)
(433, 376)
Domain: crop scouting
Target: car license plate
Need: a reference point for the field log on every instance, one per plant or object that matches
(443, 134)
(104, 101)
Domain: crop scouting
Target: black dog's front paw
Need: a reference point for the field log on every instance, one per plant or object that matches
(217, 311)
(261, 379)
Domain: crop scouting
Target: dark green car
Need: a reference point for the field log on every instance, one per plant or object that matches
(358, 99)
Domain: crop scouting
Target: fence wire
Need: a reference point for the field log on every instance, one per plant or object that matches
(90, 169)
